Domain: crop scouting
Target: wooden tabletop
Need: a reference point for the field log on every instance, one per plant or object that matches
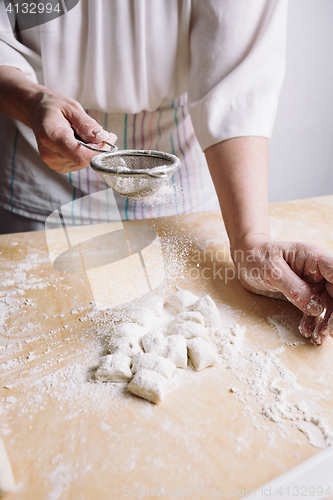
(70, 438)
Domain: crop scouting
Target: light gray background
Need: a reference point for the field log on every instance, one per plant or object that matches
(301, 161)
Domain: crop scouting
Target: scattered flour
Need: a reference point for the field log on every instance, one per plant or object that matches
(261, 374)
(229, 341)
(286, 329)
(276, 390)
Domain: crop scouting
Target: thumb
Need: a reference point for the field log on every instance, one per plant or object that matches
(297, 291)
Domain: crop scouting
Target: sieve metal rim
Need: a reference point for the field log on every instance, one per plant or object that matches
(161, 172)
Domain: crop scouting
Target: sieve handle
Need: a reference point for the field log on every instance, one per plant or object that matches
(158, 176)
(113, 147)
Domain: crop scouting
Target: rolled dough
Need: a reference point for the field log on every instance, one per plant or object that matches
(150, 385)
(114, 368)
(128, 330)
(154, 362)
(176, 350)
(182, 299)
(206, 306)
(201, 353)
(194, 316)
(189, 330)
(129, 346)
(153, 342)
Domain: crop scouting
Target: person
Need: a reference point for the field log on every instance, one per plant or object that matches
(176, 75)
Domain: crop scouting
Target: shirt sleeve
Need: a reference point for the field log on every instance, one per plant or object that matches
(15, 54)
(237, 67)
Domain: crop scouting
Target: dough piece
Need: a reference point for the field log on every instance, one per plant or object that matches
(182, 300)
(150, 385)
(176, 350)
(189, 330)
(206, 306)
(140, 315)
(7, 482)
(154, 362)
(129, 346)
(128, 330)
(155, 303)
(114, 368)
(194, 316)
(153, 342)
(201, 353)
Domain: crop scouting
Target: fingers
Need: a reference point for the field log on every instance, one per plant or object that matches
(319, 328)
(86, 127)
(307, 325)
(324, 329)
(296, 290)
(54, 119)
(61, 151)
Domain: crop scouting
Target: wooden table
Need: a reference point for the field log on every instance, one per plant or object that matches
(70, 438)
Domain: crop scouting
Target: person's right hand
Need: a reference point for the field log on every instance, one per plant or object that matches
(54, 118)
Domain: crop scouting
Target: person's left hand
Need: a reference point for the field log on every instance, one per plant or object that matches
(299, 272)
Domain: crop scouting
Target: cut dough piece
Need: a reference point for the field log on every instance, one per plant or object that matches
(140, 315)
(150, 385)
(201, 353)
(114, 368)
(155, 303)
(182, 300)
(154, 362)
(176, 350)
(7, 482)
(189, 330)
(129, 346)
(194, 316)
(153, 342)
(128, 330)
(206, 306)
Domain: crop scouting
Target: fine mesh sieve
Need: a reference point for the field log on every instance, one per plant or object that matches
(134, 173)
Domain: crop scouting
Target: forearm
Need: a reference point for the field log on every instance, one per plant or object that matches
(239, 168)
(16, 91)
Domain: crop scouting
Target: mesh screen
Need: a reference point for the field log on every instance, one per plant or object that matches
(134, 162)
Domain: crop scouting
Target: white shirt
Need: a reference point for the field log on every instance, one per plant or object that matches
(130, 63)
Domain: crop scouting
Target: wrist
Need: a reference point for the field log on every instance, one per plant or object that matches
(16, 94)
(241, 247)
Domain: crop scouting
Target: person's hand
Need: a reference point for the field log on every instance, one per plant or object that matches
(299, 272)
(54, 118)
